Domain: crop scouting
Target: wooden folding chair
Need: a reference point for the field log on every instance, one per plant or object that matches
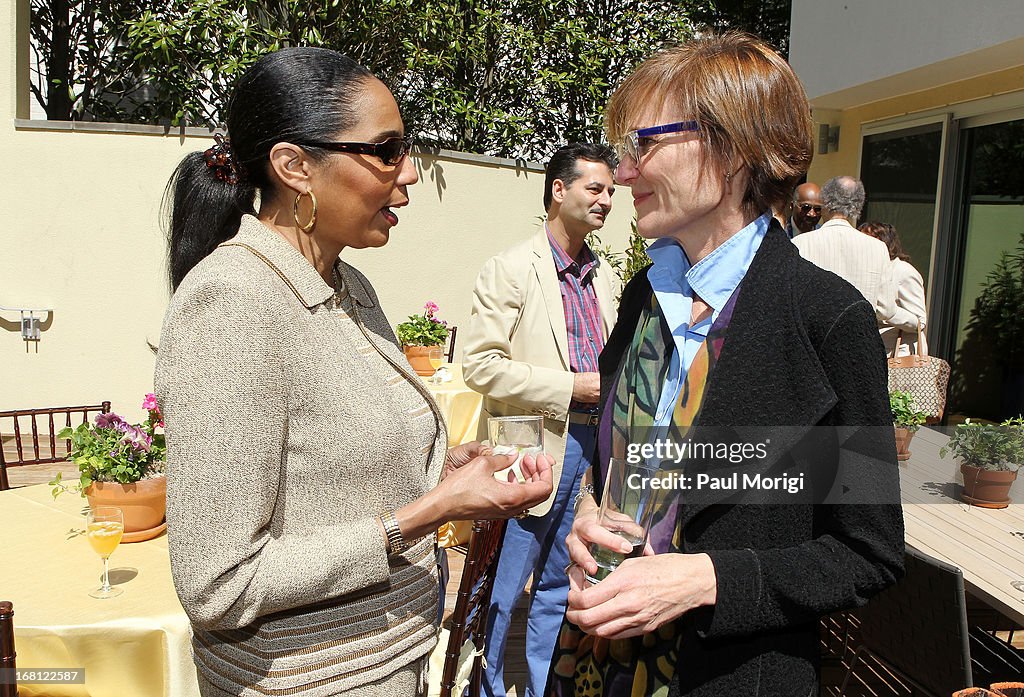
(8, 685)
(16, 425)
(469, 620)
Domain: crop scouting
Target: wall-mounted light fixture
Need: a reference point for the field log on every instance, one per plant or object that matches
(30, 323)
(828, 138)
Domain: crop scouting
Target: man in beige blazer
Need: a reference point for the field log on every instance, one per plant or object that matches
(839, 247)
(541, 313)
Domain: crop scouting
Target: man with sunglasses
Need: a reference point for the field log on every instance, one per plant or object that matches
(806, 209)
(541, 313)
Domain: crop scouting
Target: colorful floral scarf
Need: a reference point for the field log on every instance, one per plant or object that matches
(588, 666)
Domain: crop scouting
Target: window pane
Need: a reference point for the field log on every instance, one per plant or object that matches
(900, 172)
(988, 380)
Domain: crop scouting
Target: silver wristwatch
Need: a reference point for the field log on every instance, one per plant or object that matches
(396, 543)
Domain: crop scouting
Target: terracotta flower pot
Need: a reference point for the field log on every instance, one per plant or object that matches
(903, 438)
(143, 504)
(987, 488)
(418, 358)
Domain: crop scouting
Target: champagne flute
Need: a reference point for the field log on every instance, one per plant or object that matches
(105, 527)
(436, 358)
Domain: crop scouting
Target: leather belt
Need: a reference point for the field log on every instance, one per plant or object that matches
(580, 417)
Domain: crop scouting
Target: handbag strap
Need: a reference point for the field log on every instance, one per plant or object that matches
(922, 342)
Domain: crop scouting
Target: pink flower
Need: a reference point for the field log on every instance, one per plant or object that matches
(431, 308)
(149, 403)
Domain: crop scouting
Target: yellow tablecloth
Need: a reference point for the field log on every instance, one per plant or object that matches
(134, 645)
(459, 404)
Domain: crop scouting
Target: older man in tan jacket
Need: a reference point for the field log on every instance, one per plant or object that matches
(863, 261)
(541, 313)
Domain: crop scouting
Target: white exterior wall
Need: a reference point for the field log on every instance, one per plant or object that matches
(838, 45)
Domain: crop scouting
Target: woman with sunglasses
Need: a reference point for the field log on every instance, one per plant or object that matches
(306, 463)
(729, 340)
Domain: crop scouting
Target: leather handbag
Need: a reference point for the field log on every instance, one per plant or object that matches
(924, 377)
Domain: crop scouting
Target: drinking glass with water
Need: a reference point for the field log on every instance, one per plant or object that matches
(516, 435)
(627, 510)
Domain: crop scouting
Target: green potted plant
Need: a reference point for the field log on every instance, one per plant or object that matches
(421, 333)
(990, 457)
(122, 465)
(906, 419)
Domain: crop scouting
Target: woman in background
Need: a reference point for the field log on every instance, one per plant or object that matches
(909, 288)
(303, 453)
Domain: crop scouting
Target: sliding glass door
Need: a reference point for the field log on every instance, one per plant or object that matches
(978, 249)
(988, 379)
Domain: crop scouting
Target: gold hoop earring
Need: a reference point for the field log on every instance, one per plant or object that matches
(308, 227)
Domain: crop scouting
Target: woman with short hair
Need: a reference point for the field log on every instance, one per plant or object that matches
(730, 338)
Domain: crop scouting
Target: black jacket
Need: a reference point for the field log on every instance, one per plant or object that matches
(803, 362)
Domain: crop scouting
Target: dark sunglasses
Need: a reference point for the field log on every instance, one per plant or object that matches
(807, 208)
(391, 151)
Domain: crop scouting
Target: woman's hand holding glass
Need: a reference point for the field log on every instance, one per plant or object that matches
(472, 491)
(468, 490)
(642, 594)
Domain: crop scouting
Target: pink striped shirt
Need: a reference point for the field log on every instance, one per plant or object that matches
(583, 323)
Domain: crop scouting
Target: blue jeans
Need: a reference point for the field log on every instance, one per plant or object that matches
(536, 545)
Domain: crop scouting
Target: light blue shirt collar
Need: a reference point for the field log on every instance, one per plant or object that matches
(714, 278)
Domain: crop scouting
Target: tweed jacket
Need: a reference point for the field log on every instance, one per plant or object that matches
(861, 260)
(802, 363)
(516, 351)
(910, 297)
(293, 421)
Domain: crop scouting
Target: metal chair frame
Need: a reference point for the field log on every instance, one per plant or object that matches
(918, 631)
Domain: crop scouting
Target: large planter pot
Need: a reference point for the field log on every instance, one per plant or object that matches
(987, 488)
(903, 438)
(143, 505)
(418, 358)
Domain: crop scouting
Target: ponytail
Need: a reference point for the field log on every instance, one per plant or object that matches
(202, 212)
